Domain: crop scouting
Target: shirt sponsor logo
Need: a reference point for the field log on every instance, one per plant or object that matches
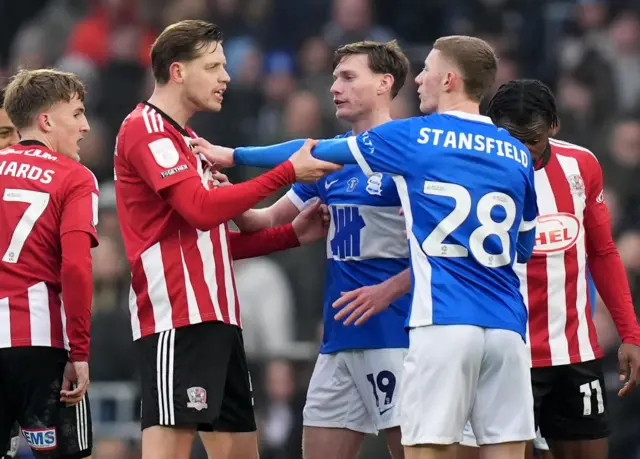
(556, 233)
(175, 170)
(41, 439)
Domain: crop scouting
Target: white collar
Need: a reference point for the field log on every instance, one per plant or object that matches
(469, 116)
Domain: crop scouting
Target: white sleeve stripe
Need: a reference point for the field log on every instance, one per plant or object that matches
(296, 200)
(154, 120)
(146, 118)
(160, 122)
(357, 154)
(527, 226)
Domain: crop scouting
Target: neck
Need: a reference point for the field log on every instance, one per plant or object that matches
(459, 104)
(33, 134)
(171, 102)
(373, 119)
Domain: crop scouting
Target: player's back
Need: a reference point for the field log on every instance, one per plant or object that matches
(37, 185)
(467, 187)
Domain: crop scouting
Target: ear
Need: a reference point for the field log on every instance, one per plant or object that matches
(449, 81)
(45, 123)
(385, 84)
(177, 72)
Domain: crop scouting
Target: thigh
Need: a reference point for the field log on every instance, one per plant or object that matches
(377, 373)
(236, 411)
(333, 399)
(577, 408)
(503, 409)
(439, 383)
(183, 375)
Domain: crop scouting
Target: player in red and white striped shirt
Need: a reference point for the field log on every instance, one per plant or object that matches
(48, 218)
(185, 313)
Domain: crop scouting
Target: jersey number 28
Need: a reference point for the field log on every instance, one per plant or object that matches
(434, 246)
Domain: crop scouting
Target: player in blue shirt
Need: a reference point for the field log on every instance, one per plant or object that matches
(467, 191)
(354, 389)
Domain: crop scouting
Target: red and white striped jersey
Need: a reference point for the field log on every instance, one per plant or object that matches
(179, 275)
(554, 282)
(44, 196)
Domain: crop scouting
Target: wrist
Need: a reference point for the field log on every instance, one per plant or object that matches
(79, 356)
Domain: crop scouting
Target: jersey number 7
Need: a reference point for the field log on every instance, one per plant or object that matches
(434, 246)
(37, 201)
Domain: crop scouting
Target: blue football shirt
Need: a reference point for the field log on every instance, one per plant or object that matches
(467, 190)
(366, 245)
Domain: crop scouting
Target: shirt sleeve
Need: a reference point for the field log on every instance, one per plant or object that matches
(527, 230)
(596, 212)
(158, 159)
(301, 193)
(383, 148)
(80, 205)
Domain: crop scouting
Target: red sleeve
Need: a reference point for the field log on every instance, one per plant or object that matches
(205, 209)
(77, 291)
(603, 259)
(157, 158)
(80, 206)
(263, 242)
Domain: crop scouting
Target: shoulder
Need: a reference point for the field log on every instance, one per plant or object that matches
(80, 175)
(572, 150)
(144, 122)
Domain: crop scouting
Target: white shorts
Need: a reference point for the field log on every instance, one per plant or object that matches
(355, 390)
(456, 373)
(469, 439)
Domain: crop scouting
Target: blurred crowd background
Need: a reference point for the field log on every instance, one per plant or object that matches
(279, 58)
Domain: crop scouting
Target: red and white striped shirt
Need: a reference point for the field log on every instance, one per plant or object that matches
(180, 275)
(554, 282)
(45, 195)
(573, 220)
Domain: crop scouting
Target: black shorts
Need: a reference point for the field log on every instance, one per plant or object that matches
(196, 376)
(570, 401)
(30, 384)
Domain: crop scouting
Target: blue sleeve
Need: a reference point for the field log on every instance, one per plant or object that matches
(332, 150)
(383, 148)
(301, 193)
(527, 230)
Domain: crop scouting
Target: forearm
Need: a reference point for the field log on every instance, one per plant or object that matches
(398, 285)
(332, 150)
(206, 209)
(262, 242)
(253, 220)
(610, 278)
(77, 292)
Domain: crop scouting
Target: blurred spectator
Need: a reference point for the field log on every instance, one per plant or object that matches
(352, 20)
(266, 307)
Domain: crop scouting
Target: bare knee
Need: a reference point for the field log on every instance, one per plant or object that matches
(430, 451)
(160, 442)
(509, 450)
(230, 445)
(324, 442)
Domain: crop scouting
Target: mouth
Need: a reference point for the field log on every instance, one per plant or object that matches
(338, 103)
(219, 94)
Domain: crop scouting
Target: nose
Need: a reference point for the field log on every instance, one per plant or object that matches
(335, 88)
(226, 78)
(418, 79)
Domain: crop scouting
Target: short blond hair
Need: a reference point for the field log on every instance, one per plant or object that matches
(475, 58)
(32, 91)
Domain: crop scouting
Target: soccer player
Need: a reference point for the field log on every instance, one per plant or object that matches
(8, 136)
(573, 229)
(466, 188)
(354, 389)
(48, 218)
(185, 314)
